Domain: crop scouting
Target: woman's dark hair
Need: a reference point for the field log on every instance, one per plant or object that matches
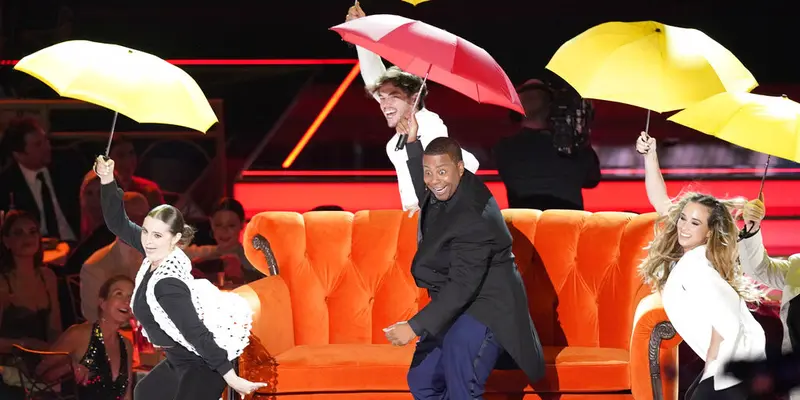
(6, 257)
(106, 288)
(229, 204)
(174, 220)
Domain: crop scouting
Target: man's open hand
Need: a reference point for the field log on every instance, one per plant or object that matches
(400, 334)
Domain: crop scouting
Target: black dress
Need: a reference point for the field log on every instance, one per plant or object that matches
(101, 385)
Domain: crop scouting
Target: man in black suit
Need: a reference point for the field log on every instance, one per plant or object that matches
(478, 308)
(29, 184)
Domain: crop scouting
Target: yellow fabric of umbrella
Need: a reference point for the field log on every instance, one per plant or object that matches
(138, 85)
(650, 65)
(415, 2)
(767, 124)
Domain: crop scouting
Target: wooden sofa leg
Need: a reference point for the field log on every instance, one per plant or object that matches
(261, 244)
(662, 331)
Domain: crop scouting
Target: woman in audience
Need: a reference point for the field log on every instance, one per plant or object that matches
(227, 222)
(101, 358)
(29, 309)
(692, 262)
(94, 234)
(91, 213)
(165, 303)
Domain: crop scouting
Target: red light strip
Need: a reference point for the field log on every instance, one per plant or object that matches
(241, 62)
(610, 171)
(322, 115)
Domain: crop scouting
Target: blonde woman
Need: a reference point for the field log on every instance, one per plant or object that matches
(692, 262)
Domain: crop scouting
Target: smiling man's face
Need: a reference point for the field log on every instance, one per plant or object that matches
(442, 175)
(395, 103)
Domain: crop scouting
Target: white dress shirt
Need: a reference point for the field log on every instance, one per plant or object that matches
(64, 230)
(778, 274)
(697, 300)
(430, 126)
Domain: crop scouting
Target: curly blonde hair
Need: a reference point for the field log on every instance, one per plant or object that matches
(721, 247)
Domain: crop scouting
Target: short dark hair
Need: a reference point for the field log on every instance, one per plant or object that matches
(445, 145)
(15, 132)
(328, 207)
(410, 84)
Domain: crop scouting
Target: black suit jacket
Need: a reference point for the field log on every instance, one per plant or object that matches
(465, 262)
(67, 191)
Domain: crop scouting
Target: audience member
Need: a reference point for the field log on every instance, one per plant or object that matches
(227, 222)
(29, 308)
(101, 358)
(124, 155)
(115, 259)
(31, 184)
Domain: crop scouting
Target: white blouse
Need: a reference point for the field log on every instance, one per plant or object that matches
(696, 299)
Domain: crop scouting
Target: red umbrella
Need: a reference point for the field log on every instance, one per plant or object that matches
(438, 55)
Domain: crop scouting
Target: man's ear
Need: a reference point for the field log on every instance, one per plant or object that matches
(461, 168)
(413, 99)
(16, 155)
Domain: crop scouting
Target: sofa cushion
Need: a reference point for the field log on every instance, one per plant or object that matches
(376, 367)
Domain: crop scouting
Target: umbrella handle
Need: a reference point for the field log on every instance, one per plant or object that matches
(647, 125)
(111, 137)
(764, 177)
(401, 141)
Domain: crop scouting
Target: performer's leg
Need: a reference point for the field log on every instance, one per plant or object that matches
(693, 387)
(426, 374)
(159, 384)
(199, 382)
(470, 352)
(705, 391)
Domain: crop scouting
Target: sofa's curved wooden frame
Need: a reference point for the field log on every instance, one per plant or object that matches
(662, 331)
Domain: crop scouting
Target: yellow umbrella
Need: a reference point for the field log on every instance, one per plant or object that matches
(414, 2)
(138, 85)
(649, 65)
(767, 124)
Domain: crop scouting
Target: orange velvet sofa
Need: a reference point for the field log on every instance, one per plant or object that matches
(337, 278)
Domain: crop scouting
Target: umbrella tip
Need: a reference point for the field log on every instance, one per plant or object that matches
(784, 96)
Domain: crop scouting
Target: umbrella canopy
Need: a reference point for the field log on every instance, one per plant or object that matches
(766, 124)
(425, 50)
(650, 65)
(138, 85)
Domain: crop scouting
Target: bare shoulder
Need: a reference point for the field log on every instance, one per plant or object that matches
(49, 275)
(83, 330)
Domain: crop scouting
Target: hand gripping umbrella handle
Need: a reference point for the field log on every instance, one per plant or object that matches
(403, 139)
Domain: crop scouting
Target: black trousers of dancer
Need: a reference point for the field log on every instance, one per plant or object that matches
(181, 376)
(704, 390)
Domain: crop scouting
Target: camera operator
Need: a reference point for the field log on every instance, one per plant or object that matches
(547, 163)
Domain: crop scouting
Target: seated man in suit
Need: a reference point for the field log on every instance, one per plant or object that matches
(478, 308)
(30, 184)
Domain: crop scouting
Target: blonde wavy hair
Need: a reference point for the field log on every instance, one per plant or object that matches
(721, 247)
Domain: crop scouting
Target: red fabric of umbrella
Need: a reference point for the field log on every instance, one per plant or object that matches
(427, 51)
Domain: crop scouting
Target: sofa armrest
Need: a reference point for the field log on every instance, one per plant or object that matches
(654, 352)
(273, 323)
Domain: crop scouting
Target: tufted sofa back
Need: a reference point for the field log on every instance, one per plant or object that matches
(348, 275)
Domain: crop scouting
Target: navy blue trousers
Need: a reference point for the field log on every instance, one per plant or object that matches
(457, 366)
